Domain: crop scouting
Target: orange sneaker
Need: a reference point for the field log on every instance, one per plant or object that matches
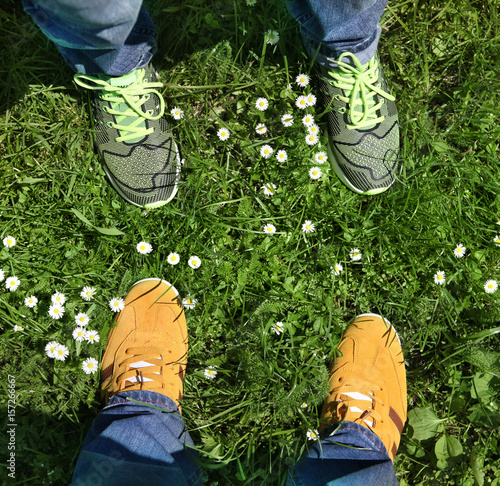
(147, 349)
(368, 382)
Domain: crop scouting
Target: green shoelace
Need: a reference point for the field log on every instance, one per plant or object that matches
(359, 81)
(126, 103)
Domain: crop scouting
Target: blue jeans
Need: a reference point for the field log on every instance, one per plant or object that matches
(332, 27)
(96, 36)
(348, 455)
(131, 443)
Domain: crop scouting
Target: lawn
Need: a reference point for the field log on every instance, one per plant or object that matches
(72, 230)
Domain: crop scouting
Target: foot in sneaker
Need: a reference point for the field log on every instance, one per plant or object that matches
(147, 350)
(368, 382)
(363, 125)
(132, 136)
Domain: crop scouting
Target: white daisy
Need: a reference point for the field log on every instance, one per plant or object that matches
(304, 405)
(82, 319)
(269, 189)
(210, 372)
(116, 304)
(287, 120)
(459, 251)
(278, 328)
(92, 336)
(321, 157)
(311, 100)
(61, 352)
(301, 102)
(308, 227)
(194, 262)
(189, 302)
(12, 283)
(50, 349)
(173, 258)
(272, 37)
(56, 311)
(355, 254)
(312, 435)
(177, 113)
(261, 104)
(497, 240)
(308, 120)
(490, 286)
(337, 268)
(266, 151)
(251, 3)
(30, 301)
(315, 173)
(439, 277)
(261, 129)
(144, 248)
(18, 328)
(58, 298)
(270, 228)
(302, 80)
(2, 275)
(90, 366)
(9, 241)
(281, 156)
(79, 334)
(223, 134)
(314, 129)
(87, 293)
(312, 139)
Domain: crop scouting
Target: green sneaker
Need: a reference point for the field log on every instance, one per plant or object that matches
(363, 125)
(132, 136)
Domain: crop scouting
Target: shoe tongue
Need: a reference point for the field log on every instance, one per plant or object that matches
(125, 80)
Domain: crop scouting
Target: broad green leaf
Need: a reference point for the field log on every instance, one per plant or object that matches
(447, 447)
(425, 423)
(476, 463)
(485, 386)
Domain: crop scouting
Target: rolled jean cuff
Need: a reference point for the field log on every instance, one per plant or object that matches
(326, 54)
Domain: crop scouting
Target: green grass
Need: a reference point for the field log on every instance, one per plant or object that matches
(441, 59)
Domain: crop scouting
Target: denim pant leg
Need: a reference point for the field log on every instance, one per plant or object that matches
(331, 463)
(133, 444)
(97, 36)
(339, 26)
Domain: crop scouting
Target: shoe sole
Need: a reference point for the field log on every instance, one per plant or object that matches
(342, 177)
(152, 205)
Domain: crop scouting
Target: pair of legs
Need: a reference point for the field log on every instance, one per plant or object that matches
(97, 37)
(139, 437)
(110, 45)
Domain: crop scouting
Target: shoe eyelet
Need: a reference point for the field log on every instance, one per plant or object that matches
(342, 110)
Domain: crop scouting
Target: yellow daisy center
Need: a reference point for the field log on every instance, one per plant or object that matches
(56, 311)
(90, 365)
